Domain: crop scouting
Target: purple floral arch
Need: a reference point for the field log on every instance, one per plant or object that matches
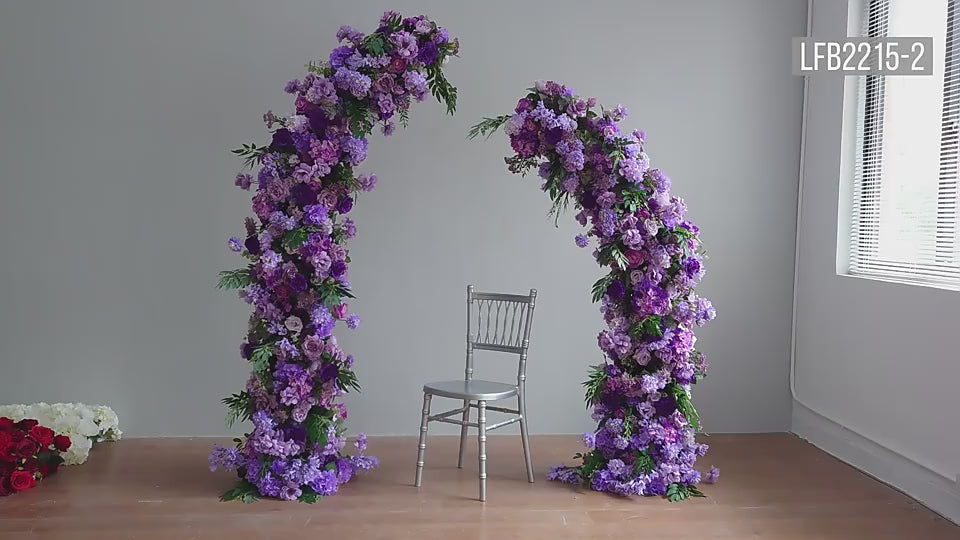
(644, 443)
(296, 273)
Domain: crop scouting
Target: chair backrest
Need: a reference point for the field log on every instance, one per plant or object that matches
(499, 322)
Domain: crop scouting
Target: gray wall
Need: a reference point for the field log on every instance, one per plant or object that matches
(878, 358)
(115, 123)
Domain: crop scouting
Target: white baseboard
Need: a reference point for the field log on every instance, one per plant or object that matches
(930, 489)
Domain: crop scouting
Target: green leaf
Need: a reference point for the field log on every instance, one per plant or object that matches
(243, 491)
(347, 380)
(441, 88)
(677, 492)
(260, 358)
(375, 44)
(593, 461)
(618, 257)
(643, 464)
(241, 407)
(235, 279)
(404, 117)
(684, 404)
(647, 327)
(595, 383)
(332, 291)
(250, 153)
(294, 239)
(488, 126)
(316, 424)
(600, 287)
(309, 496)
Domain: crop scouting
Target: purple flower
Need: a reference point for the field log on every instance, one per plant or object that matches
(590, 440)
(416, 83)
(325, 483)
(428, 53)
(345, 205)
(323, 321)
(282, 139)
(243, 181)
(339, 55)
(406, 45)
(355, 82)
(712, 475)
(235, 244)
(290, 492)
(353, 321)
(581, 240)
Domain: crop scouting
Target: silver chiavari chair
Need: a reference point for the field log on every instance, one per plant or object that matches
(495, 322)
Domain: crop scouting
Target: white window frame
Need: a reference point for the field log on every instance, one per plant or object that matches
(863, 110)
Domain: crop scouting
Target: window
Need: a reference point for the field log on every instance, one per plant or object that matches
(903, 217)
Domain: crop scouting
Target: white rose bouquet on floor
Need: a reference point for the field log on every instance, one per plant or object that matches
(84, 424)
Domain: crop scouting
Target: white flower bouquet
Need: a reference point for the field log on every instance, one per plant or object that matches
(84, 424)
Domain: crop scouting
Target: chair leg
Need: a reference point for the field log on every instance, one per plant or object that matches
(463, 432)
(424, 421)
(482, 439)
(524, 436)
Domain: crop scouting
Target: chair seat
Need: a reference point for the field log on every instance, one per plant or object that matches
(472, 390)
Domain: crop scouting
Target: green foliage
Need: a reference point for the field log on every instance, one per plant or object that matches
(235, 279)
(294, 239)
(260, 358)
(441, 88)
(376, 44)
(647, 327)
(250, 153)
(320, 68)
(309, 496)
(347, 380)
(241, 407)
(488, 126)
(612, 253)
(316, 424)
(643, 464)
(243, 491)
(360, 117)
(684, 404)
(633, 199)
(332, 291)
(520, 165)
(595, 383)
(600, 287)
(404, 117)
(678, 492)
(591, 463)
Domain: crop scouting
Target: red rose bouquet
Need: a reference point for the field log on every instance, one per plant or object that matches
(29, 453)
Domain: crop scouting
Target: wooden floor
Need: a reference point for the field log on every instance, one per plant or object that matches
(772, 486)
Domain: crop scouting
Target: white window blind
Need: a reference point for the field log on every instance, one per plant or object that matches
(903, 222)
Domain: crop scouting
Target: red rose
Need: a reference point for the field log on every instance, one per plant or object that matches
(9, 455)
(27, 448)
(6, 424)
(42, 434)
(62, 442)
(26, 424)
(6, 441)
(21, 480)
(31, 465)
